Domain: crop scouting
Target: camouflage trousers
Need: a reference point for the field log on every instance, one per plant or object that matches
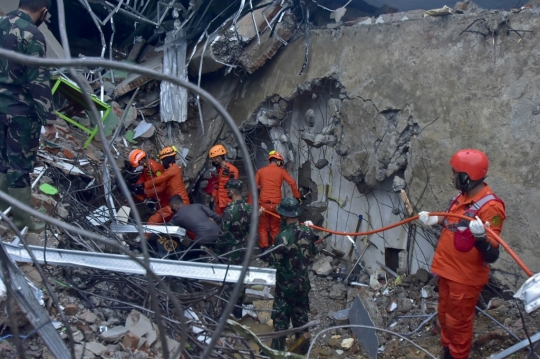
(288, 309)
(19, 142)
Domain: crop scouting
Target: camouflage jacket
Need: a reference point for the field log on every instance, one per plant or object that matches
(292, 260)
(24, 90)
(234, 229)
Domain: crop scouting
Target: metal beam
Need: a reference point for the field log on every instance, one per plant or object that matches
(124, 264)
(36, 314)
(514, 348)
(130, 228)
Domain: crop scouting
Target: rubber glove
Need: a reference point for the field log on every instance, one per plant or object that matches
(477, 228)
(261, 210)
(427, 219)
(308, 223)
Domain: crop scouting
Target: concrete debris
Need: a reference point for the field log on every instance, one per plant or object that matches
(323, 267)
(347, 343)
(141, 329)
(256, 55)
(310, 117)
(133, 81)
(318, 140)
(114, 335)
(322, 163)
(337, 291)
(88, 317)
(96, 348)
(144, 130)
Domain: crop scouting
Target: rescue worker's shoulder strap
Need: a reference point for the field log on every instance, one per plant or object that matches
(473, 210)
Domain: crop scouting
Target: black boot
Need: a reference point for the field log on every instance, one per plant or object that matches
(446, 353)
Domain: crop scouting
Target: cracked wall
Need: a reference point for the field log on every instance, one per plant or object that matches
(413, 92)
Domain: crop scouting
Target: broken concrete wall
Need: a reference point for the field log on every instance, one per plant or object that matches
(421, 82)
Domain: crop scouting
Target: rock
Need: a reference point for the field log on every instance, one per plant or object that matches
(79, 352)
(319, 140)
(422, 275)
(255, 55)
(398, 184)
(78, 336)
(114, 334)
(96, 348)
(404, 304)
(334, 343)
(325, 351)
(347, 343)
(310, 117)
(88, 317)
(71, 309)
(338, 291)
(322, 266)
(61, 211)
(131, 341)
(140, 326)
(323, 162)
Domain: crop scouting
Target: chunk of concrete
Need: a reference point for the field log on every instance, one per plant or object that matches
(140, 326)
(338, 291)
(322, 266)
(257, 55)
(114, 334)
(88, 317)
(96, 347)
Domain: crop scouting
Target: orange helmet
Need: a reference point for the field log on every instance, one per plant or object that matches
(473, 162)
(217, 150)
(135, 157)
(276, 155)
(168, 152)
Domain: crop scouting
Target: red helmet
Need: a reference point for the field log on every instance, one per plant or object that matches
(473, 162)
(135, 157)
(276, 155)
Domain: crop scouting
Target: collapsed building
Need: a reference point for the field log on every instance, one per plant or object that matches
(366, 103)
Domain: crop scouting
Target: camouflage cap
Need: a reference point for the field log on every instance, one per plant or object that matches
(289, 207)
(234, 183)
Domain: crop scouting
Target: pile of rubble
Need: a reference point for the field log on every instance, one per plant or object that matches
(407, 305)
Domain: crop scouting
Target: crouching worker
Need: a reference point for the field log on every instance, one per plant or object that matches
(173, 180)
(148, 170)
(198, 219)
(293, 249)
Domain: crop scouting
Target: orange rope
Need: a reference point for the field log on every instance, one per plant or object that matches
(444, 214)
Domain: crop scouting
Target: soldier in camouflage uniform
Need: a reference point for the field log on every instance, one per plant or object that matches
(234, 223)
(25, 105)
(233, 232)
(291, 302)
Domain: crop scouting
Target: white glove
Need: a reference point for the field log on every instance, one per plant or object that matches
(427, 219)
(261, 210)
(308, 223)
(477, 227)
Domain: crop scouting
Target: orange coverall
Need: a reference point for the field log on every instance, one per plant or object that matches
(174, 182)
(270, 179)
(221, 200)
(462, 275)
(153, 170)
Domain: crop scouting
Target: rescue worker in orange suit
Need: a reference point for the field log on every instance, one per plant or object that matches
(174, 182)
(225, 171)
(270, 179)
(149, 170)
(465, 250)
